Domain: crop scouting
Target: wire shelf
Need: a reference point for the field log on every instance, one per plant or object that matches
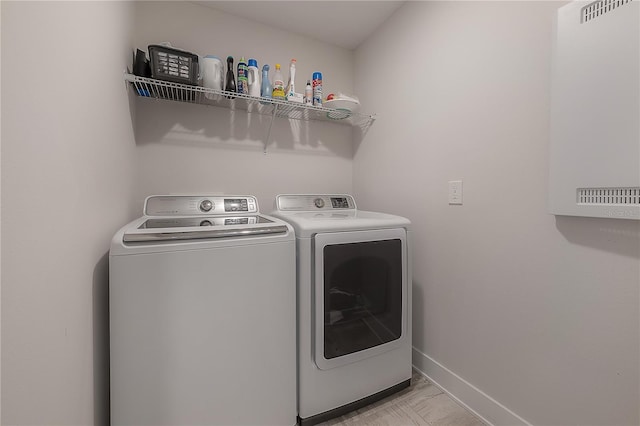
(158, 89)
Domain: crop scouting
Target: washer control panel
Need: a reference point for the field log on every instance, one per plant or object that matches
(315, 202)
(199, 205)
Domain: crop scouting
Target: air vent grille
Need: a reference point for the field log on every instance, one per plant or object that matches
(609, 196)
(600, 7)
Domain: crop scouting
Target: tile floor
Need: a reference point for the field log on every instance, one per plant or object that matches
(421, 404)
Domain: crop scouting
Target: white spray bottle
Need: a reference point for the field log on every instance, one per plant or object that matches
(291, 88)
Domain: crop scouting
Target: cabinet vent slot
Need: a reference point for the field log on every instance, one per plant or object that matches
(609, 196)
(600, 7)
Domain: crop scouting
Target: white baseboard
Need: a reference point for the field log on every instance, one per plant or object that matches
(479, 403)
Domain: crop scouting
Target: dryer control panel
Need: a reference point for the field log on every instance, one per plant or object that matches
(190, 205)
(315, 202)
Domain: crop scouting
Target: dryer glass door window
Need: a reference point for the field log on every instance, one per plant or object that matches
(361, 298)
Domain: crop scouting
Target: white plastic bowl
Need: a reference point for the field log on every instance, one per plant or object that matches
(343, 108)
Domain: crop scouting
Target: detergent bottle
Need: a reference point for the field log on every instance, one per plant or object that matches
(243, 87)
(253, 78)
(278, 84)
(212, 70)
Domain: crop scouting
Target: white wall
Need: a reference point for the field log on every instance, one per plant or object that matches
(539, 312)
(72, 172)
(67, 185)
(196, 149)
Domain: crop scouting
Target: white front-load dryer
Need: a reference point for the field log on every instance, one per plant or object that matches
(202, 315)
(354, 303)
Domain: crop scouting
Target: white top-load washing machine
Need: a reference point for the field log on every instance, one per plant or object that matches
(354, 303)
(202, 315)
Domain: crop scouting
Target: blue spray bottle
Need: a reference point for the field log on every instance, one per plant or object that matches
(267, 89)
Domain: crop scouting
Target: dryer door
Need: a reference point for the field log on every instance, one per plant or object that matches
(360, 294)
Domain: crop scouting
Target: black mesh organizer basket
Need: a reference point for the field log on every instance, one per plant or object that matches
(174, 65)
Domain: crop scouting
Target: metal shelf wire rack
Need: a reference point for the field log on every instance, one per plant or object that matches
(158, 89)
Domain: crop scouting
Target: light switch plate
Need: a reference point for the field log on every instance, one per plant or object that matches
(455, 192)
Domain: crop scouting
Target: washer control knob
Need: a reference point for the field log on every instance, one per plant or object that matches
(206, 205)
(319, 203)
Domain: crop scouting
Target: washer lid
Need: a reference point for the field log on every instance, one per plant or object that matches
(193, 228)
(187, 222)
